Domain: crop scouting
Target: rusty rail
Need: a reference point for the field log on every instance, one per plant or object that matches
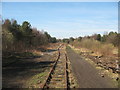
(51, 71)
(67, 78)
(49, 77)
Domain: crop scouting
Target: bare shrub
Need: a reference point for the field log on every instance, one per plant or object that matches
(96, 46)
(107, 49)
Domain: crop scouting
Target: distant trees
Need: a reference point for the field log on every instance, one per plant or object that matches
(98, 37)
(17, 37)
(111, 37)
(50, 39)
(53, 40)
(68, 40)
(65, 40)
(79, 39)
(71, 39)
(98, 44)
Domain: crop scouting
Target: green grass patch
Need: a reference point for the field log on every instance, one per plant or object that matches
(36, 80)
(119, 83)
(27, 54)
(68, 47)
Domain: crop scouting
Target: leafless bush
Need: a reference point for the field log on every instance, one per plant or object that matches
(96, 46)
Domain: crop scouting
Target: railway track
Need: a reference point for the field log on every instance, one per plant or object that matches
(58, 75)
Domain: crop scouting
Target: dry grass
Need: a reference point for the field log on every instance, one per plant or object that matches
(107, 49)
(36, 52)
(95, 46)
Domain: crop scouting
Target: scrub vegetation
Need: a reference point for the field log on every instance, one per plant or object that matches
(22, 38)
(106, 45)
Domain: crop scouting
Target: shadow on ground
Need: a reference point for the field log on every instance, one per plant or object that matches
(15, 75)
(47, 50)
(51, 50)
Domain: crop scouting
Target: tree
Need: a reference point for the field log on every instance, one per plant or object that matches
(17, 37)
(15, 30)
(71, 39)
(26, 28)
(79, 38)
(6, 24)
(53, 40)
(66, 40)
(27, 33)
(7, 40)
(48, 37)
(103, 39)
(98, 37)
(112, 38)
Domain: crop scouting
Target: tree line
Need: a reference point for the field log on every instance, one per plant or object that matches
(111, 37)
(16, 37)
(106, 45)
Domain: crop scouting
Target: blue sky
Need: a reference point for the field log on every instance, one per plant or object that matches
(65, 19)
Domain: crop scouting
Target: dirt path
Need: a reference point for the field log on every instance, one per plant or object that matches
(86, 74)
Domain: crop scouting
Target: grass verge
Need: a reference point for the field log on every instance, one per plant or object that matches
(37, 80)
